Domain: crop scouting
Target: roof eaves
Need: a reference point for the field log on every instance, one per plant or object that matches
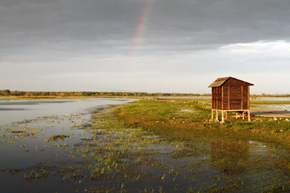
(219, 82)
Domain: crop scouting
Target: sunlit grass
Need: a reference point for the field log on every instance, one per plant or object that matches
(168, 115)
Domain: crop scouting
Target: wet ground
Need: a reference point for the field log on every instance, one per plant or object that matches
(84, 152)
(271, 111)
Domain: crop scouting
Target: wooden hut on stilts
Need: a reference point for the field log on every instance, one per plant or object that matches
(230, 94)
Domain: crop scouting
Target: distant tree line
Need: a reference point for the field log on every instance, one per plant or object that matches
(7, 92)
(85, 93)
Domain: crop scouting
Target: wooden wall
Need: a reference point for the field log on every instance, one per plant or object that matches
(233, 95)
(216, 98)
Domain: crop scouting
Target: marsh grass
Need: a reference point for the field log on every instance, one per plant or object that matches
(56, 137)
(168, 118)
(229, 142)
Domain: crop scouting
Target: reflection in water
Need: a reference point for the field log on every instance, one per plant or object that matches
(230, 156)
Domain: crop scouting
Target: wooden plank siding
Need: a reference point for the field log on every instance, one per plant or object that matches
(230, 94)
(217, 98)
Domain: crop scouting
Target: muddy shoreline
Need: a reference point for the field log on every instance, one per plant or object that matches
(270, 113)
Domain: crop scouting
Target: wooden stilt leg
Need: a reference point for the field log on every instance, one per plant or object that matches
(223, 118)
(249, 116)
(236, 115)
(212, 114)
(226, 115)
(243, 115)
(217, 115)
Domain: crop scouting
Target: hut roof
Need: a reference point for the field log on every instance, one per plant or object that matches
(220, 81)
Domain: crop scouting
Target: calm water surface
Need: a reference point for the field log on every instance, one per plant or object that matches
(19, 110)
(280, 107)
(273, 98)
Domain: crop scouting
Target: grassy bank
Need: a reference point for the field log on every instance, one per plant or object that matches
(187, 119)
(232, 144)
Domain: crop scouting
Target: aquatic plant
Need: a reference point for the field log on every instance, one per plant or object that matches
(56, 137)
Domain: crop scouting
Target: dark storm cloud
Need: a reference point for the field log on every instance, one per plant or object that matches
(49, 28)
(221, 22)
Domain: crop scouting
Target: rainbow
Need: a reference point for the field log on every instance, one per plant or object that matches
(140, 27)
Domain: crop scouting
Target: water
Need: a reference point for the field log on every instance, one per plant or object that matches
(99, 155)
(19, 110)
(272, 98)
(279, 107)
(25, 126)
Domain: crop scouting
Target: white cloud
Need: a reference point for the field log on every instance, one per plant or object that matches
(275, 49)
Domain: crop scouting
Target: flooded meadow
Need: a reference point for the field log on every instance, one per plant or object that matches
(81, 146)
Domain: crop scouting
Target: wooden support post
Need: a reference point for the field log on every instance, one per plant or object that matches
(249, 115)
(217, 115)
(243, 115)
(226, 115)
(212, 114)
(223, 118)
(236, 115)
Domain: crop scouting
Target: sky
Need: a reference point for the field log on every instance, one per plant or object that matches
(177, 46)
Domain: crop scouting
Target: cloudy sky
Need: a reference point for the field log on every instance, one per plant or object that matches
(143, 45)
